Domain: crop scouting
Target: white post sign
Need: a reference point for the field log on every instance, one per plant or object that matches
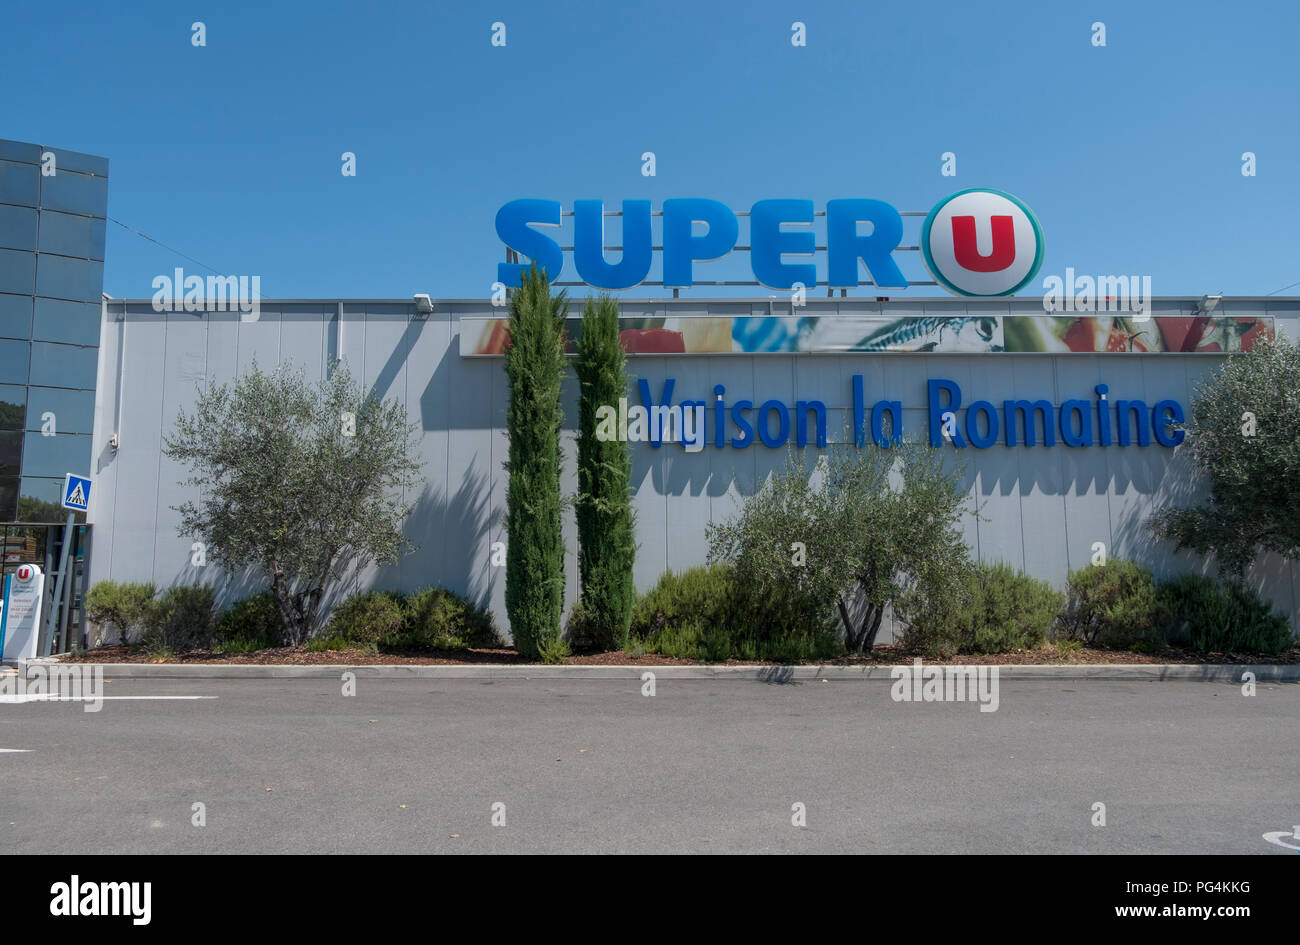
(20, 620)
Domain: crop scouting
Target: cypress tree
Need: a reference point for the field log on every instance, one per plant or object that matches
(534, 542)
(607, 546)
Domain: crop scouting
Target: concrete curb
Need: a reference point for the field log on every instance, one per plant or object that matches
(1135, 672)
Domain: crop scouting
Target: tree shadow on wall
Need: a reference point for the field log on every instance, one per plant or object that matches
(1185, 486)
(1133, 538)
(396, 360)
(453, 537)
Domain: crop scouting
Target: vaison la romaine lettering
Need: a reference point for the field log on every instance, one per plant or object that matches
(1078, 422)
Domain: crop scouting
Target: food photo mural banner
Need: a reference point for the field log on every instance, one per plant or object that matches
(838, 334)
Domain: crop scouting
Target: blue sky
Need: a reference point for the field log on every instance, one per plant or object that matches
(1130, 155)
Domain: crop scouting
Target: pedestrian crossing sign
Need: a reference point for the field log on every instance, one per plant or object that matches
(76, 492)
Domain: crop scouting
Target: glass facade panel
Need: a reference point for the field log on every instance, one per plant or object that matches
(52, 234)
(13, 361)
(17, 271)
(15, 316)
(76, 161)
(60, 277)
(17, 228)
(13, 407)
(63, 365)
(41, 500)
(20, 184)
(71, 235)
(20, 151)
(75, 193)
(54, 455)
(74, 323)
(74, 410)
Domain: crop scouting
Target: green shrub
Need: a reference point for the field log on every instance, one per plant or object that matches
(703, 614)
(252, 624)
(121, 606)
(691, 640)
(581, 632)
(1065, 647)
(994, 609)
(322, 643)
(1015, 611)
(184, 618)
(705, 595)
(240, 645)
(553, 650)
(367, 619)
(796, 646)
(1111, 604)
(1200, 613)
(441, 619)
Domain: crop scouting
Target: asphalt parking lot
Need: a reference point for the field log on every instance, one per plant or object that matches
(591, 765)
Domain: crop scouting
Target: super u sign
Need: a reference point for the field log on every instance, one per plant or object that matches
(974, 242)
(982, 242)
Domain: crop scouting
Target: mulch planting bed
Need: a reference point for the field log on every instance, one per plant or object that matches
(882, 655)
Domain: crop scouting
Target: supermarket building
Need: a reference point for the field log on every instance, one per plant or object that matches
(1066, 423)
(1043, 507)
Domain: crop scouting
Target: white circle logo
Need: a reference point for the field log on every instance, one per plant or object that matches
(982, 242)
(24, 572)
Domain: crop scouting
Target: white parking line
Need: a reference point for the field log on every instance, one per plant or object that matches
(54, 697)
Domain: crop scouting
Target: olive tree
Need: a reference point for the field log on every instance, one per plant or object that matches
(298, 481)
(866, 529)
(1244, 435)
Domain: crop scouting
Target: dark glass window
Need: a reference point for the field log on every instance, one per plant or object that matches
(63, 365)
(11, 445)
(13, 361)
(55, 455)
(13, 407)
(9, 498)
(74, 410)
(41, 500)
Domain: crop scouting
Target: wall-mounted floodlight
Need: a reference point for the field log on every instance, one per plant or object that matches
(423, 304)
(1208, 304)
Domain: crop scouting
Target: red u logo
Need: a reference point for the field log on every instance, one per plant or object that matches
(967, 253)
